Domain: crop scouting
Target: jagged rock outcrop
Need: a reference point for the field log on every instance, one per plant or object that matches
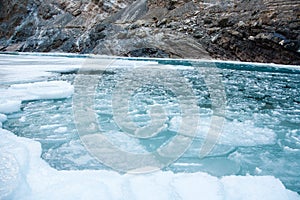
(260, 31)
(11, 16)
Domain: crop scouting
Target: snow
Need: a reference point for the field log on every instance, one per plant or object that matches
(24, 175)
(251, 187)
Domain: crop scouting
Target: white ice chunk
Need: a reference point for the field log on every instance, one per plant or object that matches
(246, 134)
(9, 106)
(61, 130)
(22, 119)
(125, 142)
(42, 90)
(11, 98)
(234, 133)
(3, 117)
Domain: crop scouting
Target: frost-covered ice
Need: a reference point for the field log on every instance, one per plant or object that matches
(24, 175)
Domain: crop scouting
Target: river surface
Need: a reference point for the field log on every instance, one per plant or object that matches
(258, 106)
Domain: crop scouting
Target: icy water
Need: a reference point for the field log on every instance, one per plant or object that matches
(260, 135)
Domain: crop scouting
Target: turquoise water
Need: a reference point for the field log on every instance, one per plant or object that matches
(261, 130)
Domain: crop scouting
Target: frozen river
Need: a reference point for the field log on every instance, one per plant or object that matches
(217, 129)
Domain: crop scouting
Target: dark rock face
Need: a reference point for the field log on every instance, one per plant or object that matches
(255, 31)
(11, 15)
(259, 32)
(148, 52)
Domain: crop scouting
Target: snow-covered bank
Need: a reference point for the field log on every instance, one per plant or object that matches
(24, 175)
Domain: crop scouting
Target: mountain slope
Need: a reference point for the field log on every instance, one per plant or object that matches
(260, 31)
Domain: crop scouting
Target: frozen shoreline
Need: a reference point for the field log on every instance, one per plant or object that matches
(74, 55)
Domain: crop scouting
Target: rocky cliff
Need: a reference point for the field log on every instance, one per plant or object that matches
(259, 31)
